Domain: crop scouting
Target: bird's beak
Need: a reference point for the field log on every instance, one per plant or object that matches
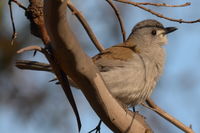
(170, 29)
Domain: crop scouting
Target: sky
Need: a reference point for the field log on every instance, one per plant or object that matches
(177, 92)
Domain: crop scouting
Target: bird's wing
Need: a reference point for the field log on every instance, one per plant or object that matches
(105, 65)
(113, 57)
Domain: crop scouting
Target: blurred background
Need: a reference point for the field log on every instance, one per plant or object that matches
(30, 104)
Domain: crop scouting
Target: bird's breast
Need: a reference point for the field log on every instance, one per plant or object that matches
(133, 81)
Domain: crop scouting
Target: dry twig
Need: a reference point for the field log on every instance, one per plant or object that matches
(163, 4)
(119, 19)
(33, 65)
(19, 4)
(14, 34)
(30, 48)
(155, 13)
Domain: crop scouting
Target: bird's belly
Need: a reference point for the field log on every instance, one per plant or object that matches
(130, 84)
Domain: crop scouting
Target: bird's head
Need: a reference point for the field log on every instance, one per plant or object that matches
(150, 32)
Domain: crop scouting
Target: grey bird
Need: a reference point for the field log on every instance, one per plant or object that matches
(131, 69)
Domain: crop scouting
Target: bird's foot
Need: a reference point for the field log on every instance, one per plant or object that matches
(97, 129)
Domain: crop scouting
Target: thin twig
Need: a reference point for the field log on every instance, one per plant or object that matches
(54, 79)
(119, 19)
(162, 4)
(19, 4)
(168, 117)
(33, 65)
(14, 34)
(155, 13)
(29, 48)
(89, 31)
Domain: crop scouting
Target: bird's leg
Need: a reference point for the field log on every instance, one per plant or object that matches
(133, 108)
(97, 129)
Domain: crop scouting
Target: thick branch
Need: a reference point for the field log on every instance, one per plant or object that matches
(75, 63)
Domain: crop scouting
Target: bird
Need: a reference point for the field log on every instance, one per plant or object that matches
(132, 69)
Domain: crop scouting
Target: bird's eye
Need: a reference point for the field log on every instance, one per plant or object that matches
(153, 32)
